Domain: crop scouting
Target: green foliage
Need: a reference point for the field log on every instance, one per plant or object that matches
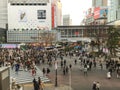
(113, 39)
(67, 48)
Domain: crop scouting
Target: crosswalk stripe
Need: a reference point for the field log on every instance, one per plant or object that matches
(26, 77)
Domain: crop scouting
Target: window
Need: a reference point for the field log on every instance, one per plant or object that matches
(41, 14)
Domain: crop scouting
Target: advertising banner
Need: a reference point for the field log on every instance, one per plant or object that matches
(103, 13)
(96, 12)
(22, 16)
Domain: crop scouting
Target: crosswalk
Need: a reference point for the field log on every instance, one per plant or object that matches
(26, 76)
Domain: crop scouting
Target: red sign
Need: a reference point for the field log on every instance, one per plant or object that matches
(53, 15)
(76, 33)
(96, 12)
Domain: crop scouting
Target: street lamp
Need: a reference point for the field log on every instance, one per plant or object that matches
(56, 83)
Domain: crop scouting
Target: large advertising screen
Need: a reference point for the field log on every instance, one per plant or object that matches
(103, 13)
(100, 12)
(96, 12)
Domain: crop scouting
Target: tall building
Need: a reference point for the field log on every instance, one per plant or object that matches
(100, 11)
(56, 13)
(66, 20)
(3, 14)
(99, 3)
(27, 19)
(114, 11)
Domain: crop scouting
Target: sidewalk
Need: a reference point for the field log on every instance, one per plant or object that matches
(48, 86)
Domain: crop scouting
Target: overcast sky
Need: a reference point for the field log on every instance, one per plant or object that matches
(75, 8)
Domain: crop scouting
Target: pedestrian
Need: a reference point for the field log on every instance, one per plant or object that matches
(61, 63)
(44, 71)
(48, 71)
(67, 69)
(64, 62)
(94, 63)
(64, 71)
(94, 86)
(101, 65)
(33, 71)
(40, 83)
(108, 75)
(85, 71)
(36, 85)
(97, 86)
(118, 72)
(75, 61)
(70, 66)
(17, 68)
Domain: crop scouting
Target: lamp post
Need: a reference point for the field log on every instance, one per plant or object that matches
(56, 83)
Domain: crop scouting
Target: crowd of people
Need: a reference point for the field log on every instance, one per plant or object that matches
(27, 60)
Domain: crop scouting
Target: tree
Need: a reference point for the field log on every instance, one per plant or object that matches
(47, 37)
(113, 40)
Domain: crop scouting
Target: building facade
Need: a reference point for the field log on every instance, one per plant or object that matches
(25, 17)
(29, 14)
(114, 12)
(82, 33)
(31, 36)
(3, 14)
(66, 20)
(99, 3)
(98, 13)
(56, 13)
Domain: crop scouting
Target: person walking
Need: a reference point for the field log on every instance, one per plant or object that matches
(118, 72)
(67, 69)
(75, 61)
(48, 71)
(36, 85)
(85, 71)
(41, 85)
(64, 62)
(44, 71)
(94, 86)
(97, 86)
(64, 71)
(61, 63)
(70, 66)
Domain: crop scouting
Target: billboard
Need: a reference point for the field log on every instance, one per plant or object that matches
(96, 12)
(22, 16)
(103, 13)
(100, 12)
(8, 45)
(29, 16)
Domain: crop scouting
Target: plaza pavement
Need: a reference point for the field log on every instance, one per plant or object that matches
(76, 79)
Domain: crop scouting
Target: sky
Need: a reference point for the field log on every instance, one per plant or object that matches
(75, 8)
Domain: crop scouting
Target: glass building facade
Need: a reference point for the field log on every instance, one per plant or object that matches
(113, 10)
(30, 36)
(82, 33)
(99, 3)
